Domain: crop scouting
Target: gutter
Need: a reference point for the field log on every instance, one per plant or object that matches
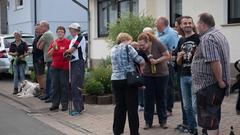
(35, 12)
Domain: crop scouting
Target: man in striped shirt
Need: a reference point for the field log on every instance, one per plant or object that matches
(210, 72)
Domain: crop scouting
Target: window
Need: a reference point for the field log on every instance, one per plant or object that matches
(233, 11)
(175, 10)
(18, 4)
(110, 10)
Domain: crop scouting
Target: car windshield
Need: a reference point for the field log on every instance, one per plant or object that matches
(27, 39)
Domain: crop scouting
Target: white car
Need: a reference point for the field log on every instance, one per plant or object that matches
(5, 58)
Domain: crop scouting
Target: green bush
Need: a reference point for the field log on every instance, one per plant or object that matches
(93, 87)
(103, 75)
(131, 24)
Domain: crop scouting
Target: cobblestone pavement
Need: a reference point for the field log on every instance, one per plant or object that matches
(97, 120)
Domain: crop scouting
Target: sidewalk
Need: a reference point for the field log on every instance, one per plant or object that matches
(97, 120)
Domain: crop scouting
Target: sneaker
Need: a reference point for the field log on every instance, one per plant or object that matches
(164, 126)
(140, 108)
(74, 113)
(147, 126)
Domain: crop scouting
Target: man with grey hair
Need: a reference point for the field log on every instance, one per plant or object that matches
(43, 44)
(210, 73)
(168, 37)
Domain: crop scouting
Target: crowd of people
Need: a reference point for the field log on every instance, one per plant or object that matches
(198, 54)
(64, 60)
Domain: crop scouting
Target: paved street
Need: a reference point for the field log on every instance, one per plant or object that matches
(97, 120)
(17, 122)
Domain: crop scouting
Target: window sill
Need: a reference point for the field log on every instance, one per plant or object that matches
(231, 24)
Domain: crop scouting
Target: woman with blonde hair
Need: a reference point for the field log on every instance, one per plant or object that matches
(156, 76)
(126, 97)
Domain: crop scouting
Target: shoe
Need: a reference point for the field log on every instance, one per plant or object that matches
(74, 113)
(53, 108)
(64, 109)
(204, 132)
(147, 126)
(164, 126)
(193, 132)
(44, 98)
(15, 91)
(48, 100)
(140, 108)
(182, 128)
(238, 112)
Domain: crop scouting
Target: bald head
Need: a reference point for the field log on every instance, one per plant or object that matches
(161, 23)
(44, 25)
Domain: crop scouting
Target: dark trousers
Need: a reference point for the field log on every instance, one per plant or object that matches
(238, 101)
(170, 89)
(77, 78)
(60, 84)
(155, 89)
(126, 99)
(141, 97)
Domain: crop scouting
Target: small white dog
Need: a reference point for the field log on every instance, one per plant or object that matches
(27, 89)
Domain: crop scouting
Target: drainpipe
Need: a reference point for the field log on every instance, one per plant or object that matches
(35, 12)
(89, 35)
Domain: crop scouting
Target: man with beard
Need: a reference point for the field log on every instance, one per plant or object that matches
(185, 51)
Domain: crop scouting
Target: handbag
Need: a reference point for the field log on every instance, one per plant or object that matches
(134, 79)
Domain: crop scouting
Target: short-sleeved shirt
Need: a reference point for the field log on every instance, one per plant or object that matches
(213, 47)
(157, 49)
(37, 53)
(79, 43)
(58, 60)
(120, 63)
(47, 38)
(188, 45)
(169, 38)
(21, 49)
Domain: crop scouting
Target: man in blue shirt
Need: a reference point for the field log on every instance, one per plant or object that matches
(168, 37)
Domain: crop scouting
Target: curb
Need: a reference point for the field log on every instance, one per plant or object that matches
(29, 110)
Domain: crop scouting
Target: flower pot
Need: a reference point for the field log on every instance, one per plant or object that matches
(91, 99)
(104, 99)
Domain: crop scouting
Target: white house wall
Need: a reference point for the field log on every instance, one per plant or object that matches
(57, 12)
(218, 8)
(20, 19)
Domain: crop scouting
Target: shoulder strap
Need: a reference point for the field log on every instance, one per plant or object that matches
(127, 49)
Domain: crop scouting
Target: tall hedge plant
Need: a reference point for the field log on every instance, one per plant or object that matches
(131, 24)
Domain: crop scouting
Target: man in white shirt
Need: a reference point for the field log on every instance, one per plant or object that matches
(77, 63)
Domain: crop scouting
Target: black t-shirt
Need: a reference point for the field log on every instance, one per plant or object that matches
(37, 53)
(188, 45)
(21, 49)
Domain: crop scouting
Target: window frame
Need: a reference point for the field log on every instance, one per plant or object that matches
(118, 13)
(171, 22)
(17, 4)
(231, 20)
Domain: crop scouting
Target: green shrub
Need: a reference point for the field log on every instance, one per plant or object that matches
(93, 87)
(106, 63)
(103, 75)
(131, 24)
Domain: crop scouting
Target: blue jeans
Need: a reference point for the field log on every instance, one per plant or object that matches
(189, 101)
(60, 87)
(49, 89)
(155, 90)
(77, 78)
(18, 74)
